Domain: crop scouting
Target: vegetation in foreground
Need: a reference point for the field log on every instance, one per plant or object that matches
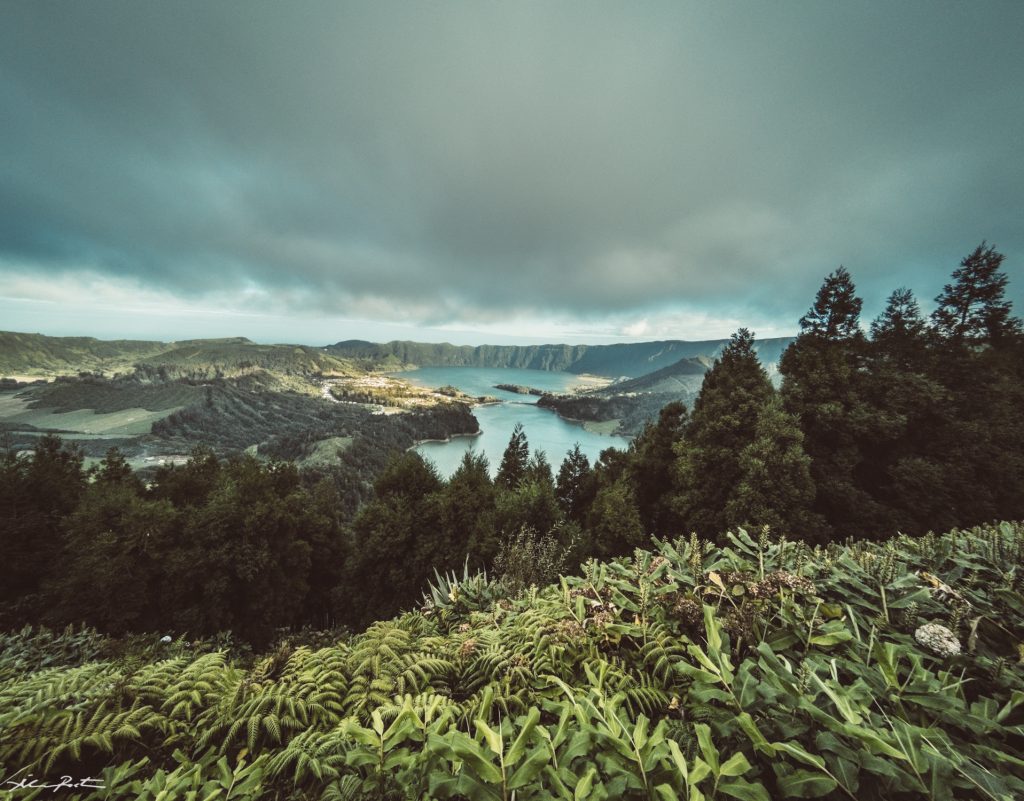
(761, 669)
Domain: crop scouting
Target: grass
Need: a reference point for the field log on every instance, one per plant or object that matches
(133, 421)
(326, 452)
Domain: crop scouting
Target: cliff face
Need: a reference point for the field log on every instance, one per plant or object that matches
(628, 360)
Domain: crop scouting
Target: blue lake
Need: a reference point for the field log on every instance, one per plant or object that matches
(544, 429)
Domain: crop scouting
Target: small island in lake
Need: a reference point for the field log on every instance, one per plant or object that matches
(519, 389)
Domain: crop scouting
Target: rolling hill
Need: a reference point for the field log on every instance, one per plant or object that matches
(45, 356)
(39, 355)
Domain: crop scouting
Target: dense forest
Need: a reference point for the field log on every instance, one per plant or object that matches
(789, 663)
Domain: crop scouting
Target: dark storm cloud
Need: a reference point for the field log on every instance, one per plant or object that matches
(448, 161)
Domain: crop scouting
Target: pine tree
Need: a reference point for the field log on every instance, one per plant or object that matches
(512, 469)
(576, 486)
(908, 407)
(824, 388)
(531, 505)
(835, 314)
(398, 539)
(468, 511)
(539, 469)
(979, 361)
(973, 308)
(653, 458)
(898, 333)
(114, 469)
(723, 423)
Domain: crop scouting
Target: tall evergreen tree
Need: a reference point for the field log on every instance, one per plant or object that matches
(468, 510)
(653, 457)
(835, 314)
(898, 333)
(514, 461)
(979, 360)
(531, 505)
(909, 408)
(398, 539)
(723, 423)
(824, 387)
(575, 488)
(973, 308)
(539, 469)
(114, 563)
(36, 493)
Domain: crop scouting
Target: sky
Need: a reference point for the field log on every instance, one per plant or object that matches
(496, 172)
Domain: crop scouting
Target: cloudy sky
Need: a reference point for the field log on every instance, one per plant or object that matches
(481, 171)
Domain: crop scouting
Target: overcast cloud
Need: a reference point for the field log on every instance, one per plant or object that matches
(588, 170)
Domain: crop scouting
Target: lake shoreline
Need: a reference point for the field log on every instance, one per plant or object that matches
(547, 432)
(446, 440)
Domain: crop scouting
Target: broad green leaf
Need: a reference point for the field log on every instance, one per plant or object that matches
(843, 704)
(712, 629)
(519, 745)
(736, 765)
(531, 767)
(665, 793)
(696, 673)
(799, 753)
(744, 790)
(491, 737)
(700, 771)
(584, 785)
(836, 637)
(678, 760)
(707, 748)
(804, 784)
(760, 742)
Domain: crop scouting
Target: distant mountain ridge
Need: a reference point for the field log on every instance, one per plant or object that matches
(38, 354)
(622, 360)
(41, 355)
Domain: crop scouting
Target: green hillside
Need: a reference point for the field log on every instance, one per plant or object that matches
(682, 378)
(230, 356)
(38, 355)
(758, 670)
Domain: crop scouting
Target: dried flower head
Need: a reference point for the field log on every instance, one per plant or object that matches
(689, 611)
(938, 639)
(569, 631)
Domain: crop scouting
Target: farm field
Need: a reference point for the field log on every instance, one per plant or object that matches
(15, 410)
